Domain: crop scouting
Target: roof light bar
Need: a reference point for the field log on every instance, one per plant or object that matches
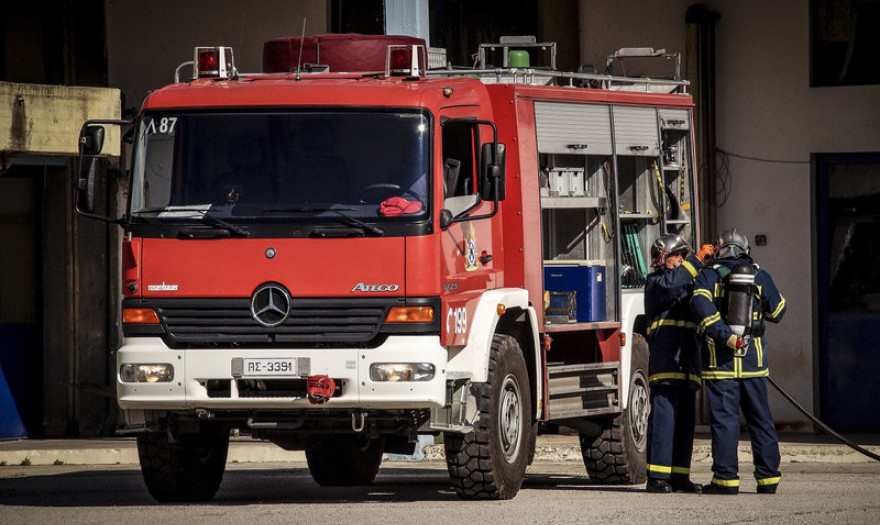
(213, 62)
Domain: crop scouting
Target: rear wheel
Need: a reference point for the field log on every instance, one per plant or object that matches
(189, 469)
(338, 460)
(490, 462)
(618, 455)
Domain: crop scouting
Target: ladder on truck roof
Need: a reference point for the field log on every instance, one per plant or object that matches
(515, 68)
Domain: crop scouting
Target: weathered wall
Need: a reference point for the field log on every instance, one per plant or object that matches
(146, 41)
(45, 120)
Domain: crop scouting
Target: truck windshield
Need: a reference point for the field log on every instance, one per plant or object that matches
(299, 166)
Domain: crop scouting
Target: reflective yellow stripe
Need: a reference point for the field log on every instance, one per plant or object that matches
(759, 373)
(670, 322)
(681, 470)
(769, 481)
(760, 348)
(659, 469)
(709, 321)
(713, 359)
(719, 290)
(718, 374)
(725, 482)
(668, 375)
(702, 292)
(727, 374)
(675, 375)
(778, 308)
(690, 268)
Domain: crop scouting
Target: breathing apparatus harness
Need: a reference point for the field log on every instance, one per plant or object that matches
(737, 307)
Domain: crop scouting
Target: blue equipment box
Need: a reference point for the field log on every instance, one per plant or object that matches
(586, 279)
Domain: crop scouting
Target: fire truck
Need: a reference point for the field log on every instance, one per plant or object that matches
(361, 245)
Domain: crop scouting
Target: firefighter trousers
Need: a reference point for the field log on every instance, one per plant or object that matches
(671, 431)
(725, 398)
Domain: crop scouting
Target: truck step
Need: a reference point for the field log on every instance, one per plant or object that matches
(583, 390)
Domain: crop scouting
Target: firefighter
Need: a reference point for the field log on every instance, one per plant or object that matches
(673, 368)
(731, 301)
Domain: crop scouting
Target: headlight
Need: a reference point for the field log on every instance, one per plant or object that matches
(401, 371)
(146, 373)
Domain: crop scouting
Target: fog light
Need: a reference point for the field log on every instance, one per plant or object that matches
(401, 371)
(146, 373)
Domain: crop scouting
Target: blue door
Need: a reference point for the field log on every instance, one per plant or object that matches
(848, 267)
(21, 368)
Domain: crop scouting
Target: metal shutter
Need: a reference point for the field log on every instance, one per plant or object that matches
(635, 131)
(675, 119)
(567, 128)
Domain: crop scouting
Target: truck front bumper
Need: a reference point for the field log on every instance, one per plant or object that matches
(237, 379)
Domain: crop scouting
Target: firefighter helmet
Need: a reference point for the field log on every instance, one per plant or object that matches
(666, 245)
(732, 243)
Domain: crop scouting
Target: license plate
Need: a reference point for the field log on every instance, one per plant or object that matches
(258, 367)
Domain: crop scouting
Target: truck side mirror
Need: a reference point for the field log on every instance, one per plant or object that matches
(492, 169)
(85, 187)
(91, 141)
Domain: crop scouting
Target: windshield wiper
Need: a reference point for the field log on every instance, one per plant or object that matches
(205, 217)
(375, 230)
(349, 219)
(216, 221)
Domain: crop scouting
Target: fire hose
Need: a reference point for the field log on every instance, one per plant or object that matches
(822, 425)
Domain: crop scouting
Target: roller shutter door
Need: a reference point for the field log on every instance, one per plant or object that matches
(635, 131)
(566, 128)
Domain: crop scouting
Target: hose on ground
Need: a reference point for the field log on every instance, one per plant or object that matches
(822, 425)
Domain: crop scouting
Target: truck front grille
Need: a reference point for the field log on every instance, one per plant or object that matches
(193, 323)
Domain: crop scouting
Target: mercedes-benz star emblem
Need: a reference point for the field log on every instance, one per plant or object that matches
(270, 304)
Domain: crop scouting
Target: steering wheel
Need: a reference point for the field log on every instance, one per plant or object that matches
(376, 193)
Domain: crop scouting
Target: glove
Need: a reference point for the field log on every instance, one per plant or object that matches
(707, 251)
(735, 342)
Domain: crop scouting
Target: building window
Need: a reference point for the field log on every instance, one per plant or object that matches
(845, 42)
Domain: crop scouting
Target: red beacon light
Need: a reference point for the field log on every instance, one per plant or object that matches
(213, 62)
(407, 61)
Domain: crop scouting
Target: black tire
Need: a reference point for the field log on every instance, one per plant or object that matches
(490, 462)
(619, 454)
(187, 470)
(340, 460)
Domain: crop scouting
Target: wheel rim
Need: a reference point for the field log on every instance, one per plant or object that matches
(638, 410)
(510, 418)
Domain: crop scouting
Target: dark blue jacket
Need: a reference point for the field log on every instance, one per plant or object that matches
(707, 304)
(672, 340)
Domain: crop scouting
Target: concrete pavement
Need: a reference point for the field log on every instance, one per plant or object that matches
(795, 448)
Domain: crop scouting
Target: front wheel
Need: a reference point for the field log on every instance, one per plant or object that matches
(187, 469)
(619, 454)
(490, 462)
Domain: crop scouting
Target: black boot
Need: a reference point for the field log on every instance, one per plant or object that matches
(685, 485)
(767, 489)
(659, 486)
(712, 488)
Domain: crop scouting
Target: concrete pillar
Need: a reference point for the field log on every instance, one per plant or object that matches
(407, 17)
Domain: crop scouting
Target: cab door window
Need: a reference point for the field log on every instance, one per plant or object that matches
(459, 162)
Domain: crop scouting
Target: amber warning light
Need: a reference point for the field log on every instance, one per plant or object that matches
(213, 62)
